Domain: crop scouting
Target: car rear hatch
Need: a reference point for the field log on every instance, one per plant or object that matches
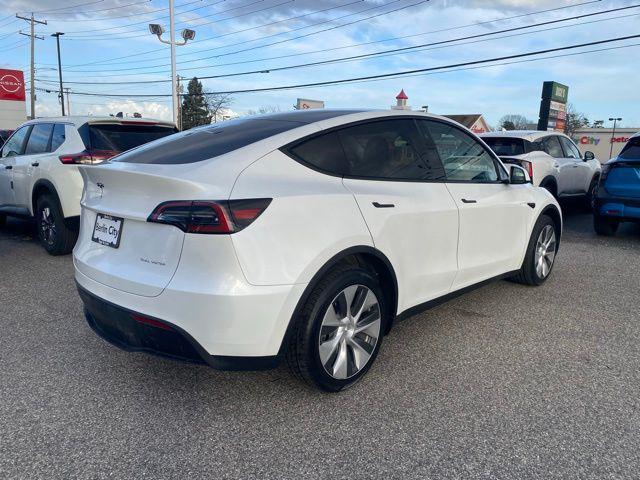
(623, 179)
(105, 138)
(145, 255)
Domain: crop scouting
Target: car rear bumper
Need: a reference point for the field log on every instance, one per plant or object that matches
(624, 209)
(235, 319)
(135, 332)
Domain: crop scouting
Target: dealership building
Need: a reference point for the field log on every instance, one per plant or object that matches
(603, 142)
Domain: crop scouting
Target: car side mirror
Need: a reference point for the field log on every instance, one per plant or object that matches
(588, 156)
(518, 176)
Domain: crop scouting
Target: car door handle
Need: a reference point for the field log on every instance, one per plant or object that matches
(383, 205)
(466, 200)
(8, 167)
(35, 164)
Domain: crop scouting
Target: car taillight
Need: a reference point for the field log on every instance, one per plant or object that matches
(87, 157)
(209, 217)
(528, 166)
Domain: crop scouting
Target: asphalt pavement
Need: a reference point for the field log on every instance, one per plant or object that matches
(505, 382)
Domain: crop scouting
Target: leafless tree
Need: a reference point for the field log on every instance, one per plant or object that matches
(217, 104)
(264, 110)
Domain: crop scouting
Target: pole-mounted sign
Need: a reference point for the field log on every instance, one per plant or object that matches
(553, 107)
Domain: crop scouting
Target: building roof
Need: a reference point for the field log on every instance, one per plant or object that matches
(466, 120)
(531, 135)
(402, 95)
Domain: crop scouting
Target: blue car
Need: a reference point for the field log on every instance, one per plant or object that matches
(618, 196)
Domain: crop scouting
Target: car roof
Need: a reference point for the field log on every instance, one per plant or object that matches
(78, 120)
(530, 135)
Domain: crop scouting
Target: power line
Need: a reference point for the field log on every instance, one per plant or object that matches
(391, 74)
(295, 38)
(383, 52)
(88, 12)
(114, 37)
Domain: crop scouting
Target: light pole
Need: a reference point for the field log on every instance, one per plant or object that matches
(613, 134)
(57, 35)
(187, 35)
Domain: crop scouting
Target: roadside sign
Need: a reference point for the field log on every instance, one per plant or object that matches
(553, 107)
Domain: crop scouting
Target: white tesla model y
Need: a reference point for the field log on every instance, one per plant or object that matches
(300, 235)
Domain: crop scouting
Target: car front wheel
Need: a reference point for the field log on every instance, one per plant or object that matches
(55, 236)
(541, 253)
(338, 333)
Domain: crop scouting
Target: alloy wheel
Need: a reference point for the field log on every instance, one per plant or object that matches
(47, 226)
(349, 332)
(545, 251)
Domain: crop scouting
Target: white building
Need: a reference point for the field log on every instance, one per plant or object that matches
(602, 141)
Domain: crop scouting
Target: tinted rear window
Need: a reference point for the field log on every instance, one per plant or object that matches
(119, 138)
(504, 147)
(631, 150)
(207, 142)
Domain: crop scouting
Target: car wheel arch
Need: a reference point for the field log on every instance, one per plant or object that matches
(554, 213)
(551, 182)
(43, 187)
(364, 256)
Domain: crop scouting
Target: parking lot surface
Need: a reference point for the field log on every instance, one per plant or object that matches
(504, 382)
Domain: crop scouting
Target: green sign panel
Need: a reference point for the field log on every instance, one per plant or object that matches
(559, 92)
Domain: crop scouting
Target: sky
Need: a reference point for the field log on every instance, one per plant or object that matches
(107, 42)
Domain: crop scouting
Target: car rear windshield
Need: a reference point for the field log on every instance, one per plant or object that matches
(631, 150)
(120, 138)
(504, 147)
(207, 142)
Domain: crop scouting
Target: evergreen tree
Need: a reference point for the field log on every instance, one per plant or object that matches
(195, 110)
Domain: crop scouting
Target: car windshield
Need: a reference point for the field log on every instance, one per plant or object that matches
(505, 146)
(631, 150)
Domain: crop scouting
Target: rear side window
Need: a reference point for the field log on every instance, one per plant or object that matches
(323, 152)
(120, 138)
(15, 144)
(207, 142)
(39, 139)
(506, 147)
(631, 150)
(58, 136)
(463, 157)
(552, 146)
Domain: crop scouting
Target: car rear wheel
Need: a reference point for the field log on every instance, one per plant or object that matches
(338, 333)
(55, 236)
(605, 226)
(541, 253)
(591, 194)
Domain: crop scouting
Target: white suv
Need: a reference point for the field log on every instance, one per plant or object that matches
(39, 175)
(301, 235)
(551, 158)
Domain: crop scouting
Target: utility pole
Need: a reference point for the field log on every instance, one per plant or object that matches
(33, 36)
(66, 90)
(613, 134)
(57, 35)
(179, 89)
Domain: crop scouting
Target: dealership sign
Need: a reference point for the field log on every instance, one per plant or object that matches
(553, 107)
(12, 85)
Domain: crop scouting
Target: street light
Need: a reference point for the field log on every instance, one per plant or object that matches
(613, 134)
(187, 35)
(57, 35)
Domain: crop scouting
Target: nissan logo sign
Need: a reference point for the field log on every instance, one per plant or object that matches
(10, 83)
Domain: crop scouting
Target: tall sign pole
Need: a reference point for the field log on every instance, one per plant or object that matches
(33, 36)
(57, 35)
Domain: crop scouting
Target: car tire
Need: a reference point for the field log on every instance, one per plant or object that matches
(54, 234)
(591, 193)
(3, 220)
(540, 257)
(605, 226)
(330, 353)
